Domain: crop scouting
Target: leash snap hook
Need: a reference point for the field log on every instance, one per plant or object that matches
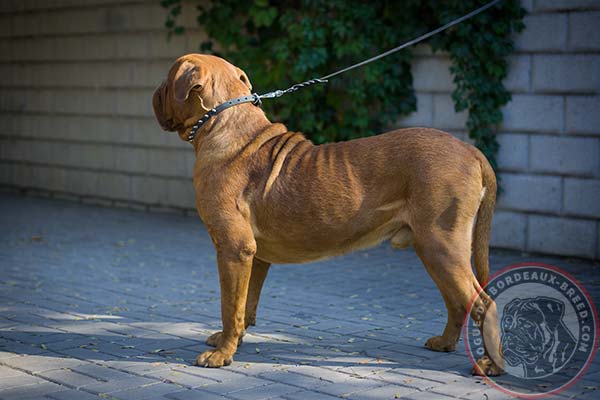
(257, 101)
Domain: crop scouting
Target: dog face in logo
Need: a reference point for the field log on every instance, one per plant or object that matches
(535, 336)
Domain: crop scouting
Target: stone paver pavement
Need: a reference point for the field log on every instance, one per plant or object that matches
(116, 304)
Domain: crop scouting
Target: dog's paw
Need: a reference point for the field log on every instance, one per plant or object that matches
(486, 367)
(213, 359)
(214, 339)
(438, 343)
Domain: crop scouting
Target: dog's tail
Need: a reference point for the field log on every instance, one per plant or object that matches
(483, 226)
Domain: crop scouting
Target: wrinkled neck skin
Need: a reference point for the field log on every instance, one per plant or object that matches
(225, 135)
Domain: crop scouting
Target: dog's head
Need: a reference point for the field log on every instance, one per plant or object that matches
(195, 84)
(531, 330)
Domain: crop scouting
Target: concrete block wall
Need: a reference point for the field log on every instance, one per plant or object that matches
(77, 76)
(550, 140)
(76, 84)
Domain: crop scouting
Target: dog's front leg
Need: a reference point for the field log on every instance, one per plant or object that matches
(234, 257)
(259, 273)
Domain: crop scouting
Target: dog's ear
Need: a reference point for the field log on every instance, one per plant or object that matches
(552, 309)
(244, 78)
(187, 78)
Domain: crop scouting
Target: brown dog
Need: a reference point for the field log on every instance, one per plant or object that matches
(267, 195)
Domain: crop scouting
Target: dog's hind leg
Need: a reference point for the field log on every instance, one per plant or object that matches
(452, 279)
(257, 278)
(485, 315)
(446, 257)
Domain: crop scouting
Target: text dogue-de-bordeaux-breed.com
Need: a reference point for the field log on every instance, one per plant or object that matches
(268, 195)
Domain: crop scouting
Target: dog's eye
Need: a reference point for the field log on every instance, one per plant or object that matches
(196, 86)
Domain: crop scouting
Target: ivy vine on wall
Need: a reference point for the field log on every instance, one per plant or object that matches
(279, 43)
